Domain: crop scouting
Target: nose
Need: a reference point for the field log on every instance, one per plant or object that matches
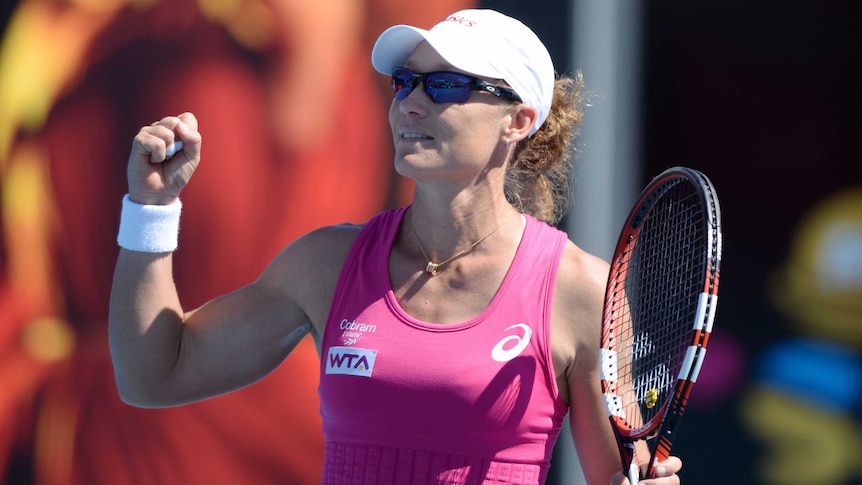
(416, 99)
(409, 87)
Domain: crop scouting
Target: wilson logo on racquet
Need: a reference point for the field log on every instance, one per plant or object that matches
(516, 344)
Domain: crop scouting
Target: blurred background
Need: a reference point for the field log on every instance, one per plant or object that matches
(762, 96)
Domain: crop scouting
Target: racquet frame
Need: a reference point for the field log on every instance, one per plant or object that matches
(660, 430)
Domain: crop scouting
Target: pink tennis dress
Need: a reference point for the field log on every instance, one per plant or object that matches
(411, 402)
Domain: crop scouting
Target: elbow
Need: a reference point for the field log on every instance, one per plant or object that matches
(135, 394)
(140, 385)
(132, 397)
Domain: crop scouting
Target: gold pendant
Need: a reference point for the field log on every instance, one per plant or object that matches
(432, 268)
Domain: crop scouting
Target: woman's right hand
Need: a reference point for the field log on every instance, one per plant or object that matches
(153, 177)
(665, 474)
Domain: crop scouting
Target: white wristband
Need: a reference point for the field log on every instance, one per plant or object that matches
(149, 228)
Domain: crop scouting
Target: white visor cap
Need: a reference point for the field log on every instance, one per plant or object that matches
(481, 42)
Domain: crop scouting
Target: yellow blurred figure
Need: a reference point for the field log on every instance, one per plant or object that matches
(806, 398)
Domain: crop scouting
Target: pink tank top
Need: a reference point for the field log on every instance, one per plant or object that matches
(411, 402)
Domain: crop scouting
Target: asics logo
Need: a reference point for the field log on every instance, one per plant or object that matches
(515, 343)
(461, 20)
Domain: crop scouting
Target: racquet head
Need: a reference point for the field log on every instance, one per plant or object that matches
(660, 303)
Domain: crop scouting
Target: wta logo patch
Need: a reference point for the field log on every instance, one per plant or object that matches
(350, 361)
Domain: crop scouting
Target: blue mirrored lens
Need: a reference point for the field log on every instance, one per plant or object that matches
(441, 86)
(403, 82)
(447, 87)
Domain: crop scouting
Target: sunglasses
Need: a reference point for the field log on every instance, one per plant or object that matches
(445, 86)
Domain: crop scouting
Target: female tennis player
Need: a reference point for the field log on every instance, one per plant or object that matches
(454, 333)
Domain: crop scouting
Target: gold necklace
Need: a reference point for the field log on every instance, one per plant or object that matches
(433, 268)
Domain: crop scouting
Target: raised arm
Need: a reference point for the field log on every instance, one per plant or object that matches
(165, 356)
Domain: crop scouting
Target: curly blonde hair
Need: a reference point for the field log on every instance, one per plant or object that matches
(539, 176)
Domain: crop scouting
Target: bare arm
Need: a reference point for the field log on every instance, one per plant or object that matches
(576, 332)
(165, 356)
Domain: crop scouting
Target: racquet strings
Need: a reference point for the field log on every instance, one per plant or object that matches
(665, 275)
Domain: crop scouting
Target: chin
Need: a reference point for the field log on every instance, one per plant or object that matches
(404, 168)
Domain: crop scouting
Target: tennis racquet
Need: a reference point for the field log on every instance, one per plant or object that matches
(659, 307)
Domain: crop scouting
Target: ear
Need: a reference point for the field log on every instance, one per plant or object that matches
(523, 117)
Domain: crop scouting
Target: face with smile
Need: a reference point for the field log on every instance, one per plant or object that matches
(445, 140)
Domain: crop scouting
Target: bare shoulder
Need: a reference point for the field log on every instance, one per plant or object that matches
(581, 278)
(577, 312)
(327, 245)
(587, 267)
(307, 269)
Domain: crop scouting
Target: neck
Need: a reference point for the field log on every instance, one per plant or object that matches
(446, 229)
(450, 238)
